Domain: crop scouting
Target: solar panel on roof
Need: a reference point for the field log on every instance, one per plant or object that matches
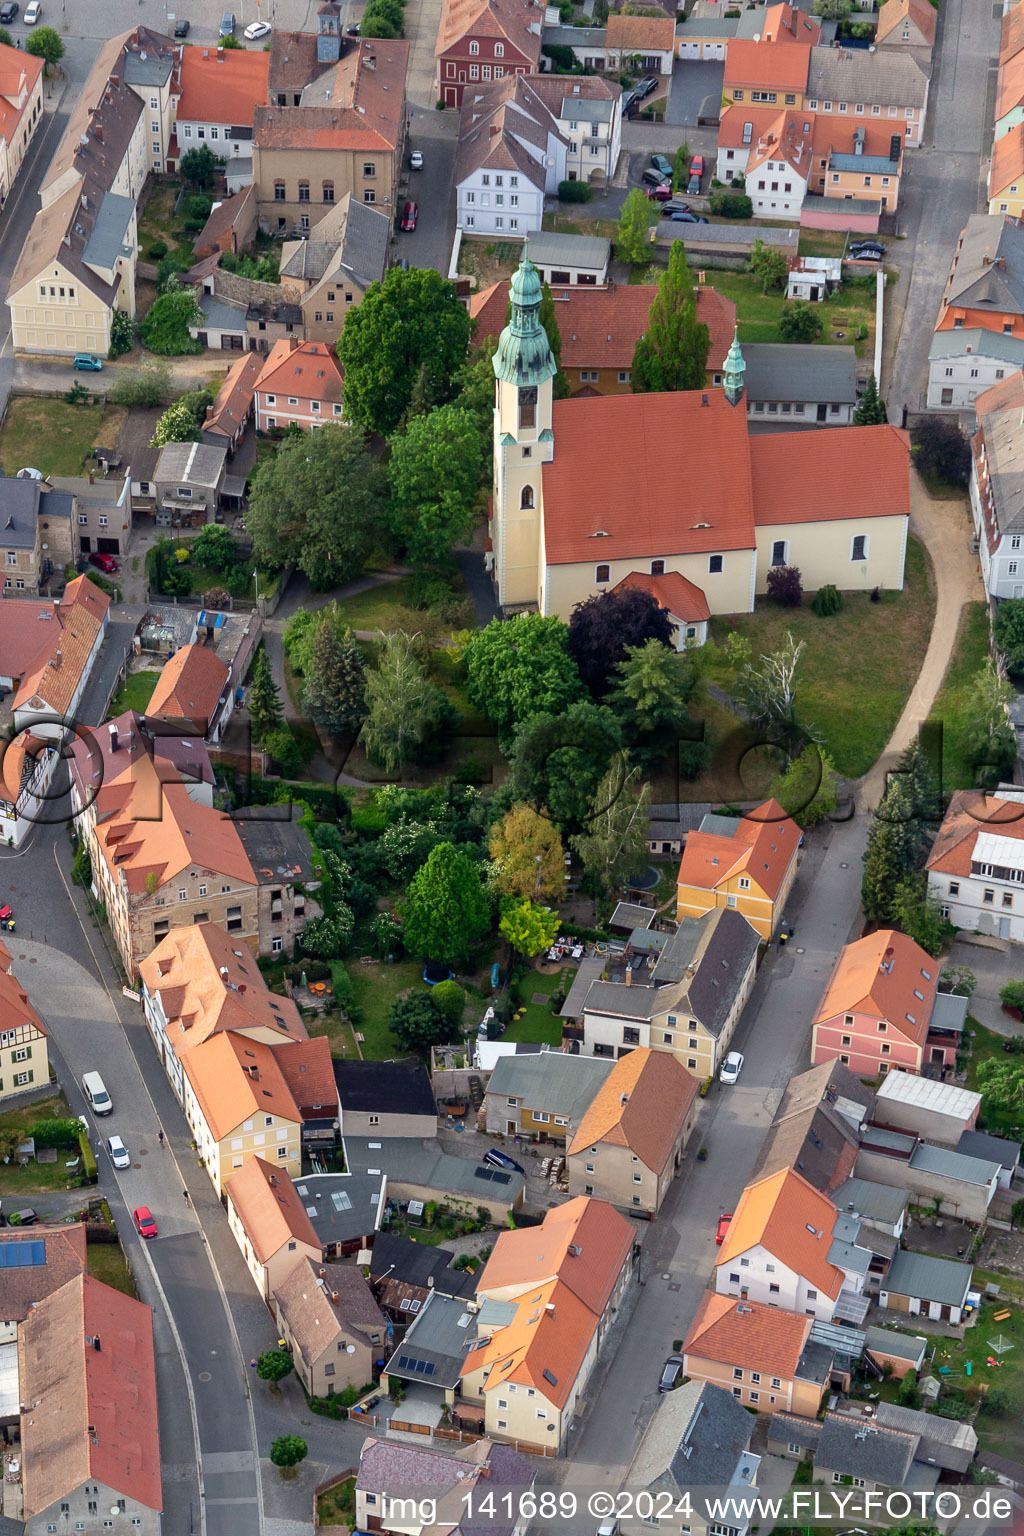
(428, 1369)
(22, 1255)
(548, 1377)
(500, 1178)
(482, 1173)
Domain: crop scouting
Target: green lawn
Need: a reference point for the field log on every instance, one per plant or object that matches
(538, 1023)
(36, 1178)
(822, 242)
(51, 435)
(375, 988)
(204, 576)
(107, 1262)
(1003, 1435)
(375, 608)
(986, 1044)
(136, 694)
(857, 667)
(758, 313)
(970, 653)
(338, 1505)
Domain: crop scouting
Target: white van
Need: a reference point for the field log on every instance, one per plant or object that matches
(99, 1099)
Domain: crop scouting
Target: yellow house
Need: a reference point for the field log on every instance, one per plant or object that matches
(24, 1059)
(569, 523)
(744, 862)
(1006, 174)
(756, 1352)
(239, 1106)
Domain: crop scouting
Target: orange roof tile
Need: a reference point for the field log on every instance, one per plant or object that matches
(19, 76)
(1011, 38)
(25, 631)
(971, 811)
(788, 1217)
(642, 1104)
(56, 674)
(234, 396)
(802, 477)
(600, 505)
(735, 117)
(783, 24)
(190, 686)
(221, 87)
(183, 833)
(208, 983)
(534, 1256)
(785, 139)
(782, 67)
(887, 976)
(509, 19)
(895, 12)
(15, 1008)
(747, 1333)
(308, 1069)
(834, 135)
(641, 33)
(538, 1348)
(600, 327)
(763, 846)
(94, 1411)
(269, 1208)
(1009, 83)
(1007, 163)
(309, 371)
(64, 1257)
(234, 1077)
(673, 592)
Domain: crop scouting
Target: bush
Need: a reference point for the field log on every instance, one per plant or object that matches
(799, 322)
(575, 192)
(732, 205)
(122, 334)
(54, 1133)
(289, 753)
(89, 1170)
(941, 450)
(784, 586)
(157, 251)
(827, 601)
(144, 387)
(1012, 995)
(165, 329)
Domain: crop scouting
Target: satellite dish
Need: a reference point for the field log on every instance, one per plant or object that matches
(350, 1349)
(115, 1509)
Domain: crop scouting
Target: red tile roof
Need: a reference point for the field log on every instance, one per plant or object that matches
(788, 1217)
(189, 686)
(94, 1411)
(785, 139)
(782, 67)
(1007, 165)
(886, 976)
(673, 592)
(234, 397)
(600, 327)
(970, 813)
(804, 477)
(763, 846)
(922, 15)
(269, 1208)
(1009, 82)
(533, 1256)
(221, 86)
(642, 1104)
(15, 1008)
(732, 127)
(512, 20)
(747, 1333)
(309, 370)
(308, 1069)
(1011, 39)
(591, 490)
(57, 672)
(783, 24)
(641, 33)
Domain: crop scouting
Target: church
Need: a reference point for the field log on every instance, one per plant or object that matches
(675, 493)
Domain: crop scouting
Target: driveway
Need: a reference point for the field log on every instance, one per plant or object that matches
(433, 189)
(994, 963)
(696, 91)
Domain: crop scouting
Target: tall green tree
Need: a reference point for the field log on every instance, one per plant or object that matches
(548, 316)
(274, 1365)
(288, 1451)
(602, 628)
(519, 667)
(527, 857)
(434, 474)
(557, 761)
(632, 238)
(446, 911)
(650, 695)
(410, 325)
(1008, 630)
(46, 43)
(673, 351)
(988, 733)
(768, 266)
(613, 845)
(334, 692)
(417, 1023)
(319, 503)
(474, 389)
(870, 408)
(408, 718)
(264, 699)
(918, 914)
(768, 692)
(200, 166)
(808, 790)
(897, 838)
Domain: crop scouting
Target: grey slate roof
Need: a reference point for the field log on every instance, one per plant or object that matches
(628, 915)
(547, 250)
(670, 820)
(791, 1429)
(583, 110)
(108, 238)
(810, 1133)
(698, 1438)
(419, 1161)
(20, 508)
(191, 463)
(777, 371)
(384, 1087)
(144, 66)
(416, 1264)
(878, 163)
(949, 1011)
(886, 78)
(439, 1335)
(221, 316)
(928, 1278)
(815, 1363)
(575, 37)
(948, 1442)
(860, 1449)
(953, 1165)
(976, 342)
(902, 1346)
(702, 236)
(709, 26)
(552, 1082)
(977, 280)
(994, 1149)
(874, 1202)
(341, 1206)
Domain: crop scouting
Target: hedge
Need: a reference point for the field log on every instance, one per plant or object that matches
(90, 1171)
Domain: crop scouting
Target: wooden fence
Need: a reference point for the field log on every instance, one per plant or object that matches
(466, 1437)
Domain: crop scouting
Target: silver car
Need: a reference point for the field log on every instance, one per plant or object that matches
(119, 1154)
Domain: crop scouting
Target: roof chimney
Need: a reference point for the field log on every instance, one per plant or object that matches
(113, 737)
(334, 1297)
(97, 129)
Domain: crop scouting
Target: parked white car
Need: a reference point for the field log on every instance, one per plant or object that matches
(256, 29)
(732, 1066)
(33, 11)
(119, 1154)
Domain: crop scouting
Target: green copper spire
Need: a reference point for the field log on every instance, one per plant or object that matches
(524, 353)
(734, 370)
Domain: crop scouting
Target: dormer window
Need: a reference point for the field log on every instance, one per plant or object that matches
(474, 48)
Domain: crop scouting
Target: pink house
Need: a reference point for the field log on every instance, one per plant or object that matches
(301, 382)
(882, 1011)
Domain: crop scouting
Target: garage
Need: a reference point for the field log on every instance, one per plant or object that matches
(714, 51)
(689, 48)
(108, 546)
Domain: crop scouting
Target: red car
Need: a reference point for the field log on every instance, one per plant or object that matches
(661, 193)
(697, 165)
(143, 1219)
(6, 919)
(723, 1227)
(104, 563)
(410, 213)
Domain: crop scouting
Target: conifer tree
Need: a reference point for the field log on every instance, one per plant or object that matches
(673, 351)
(335, 684)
